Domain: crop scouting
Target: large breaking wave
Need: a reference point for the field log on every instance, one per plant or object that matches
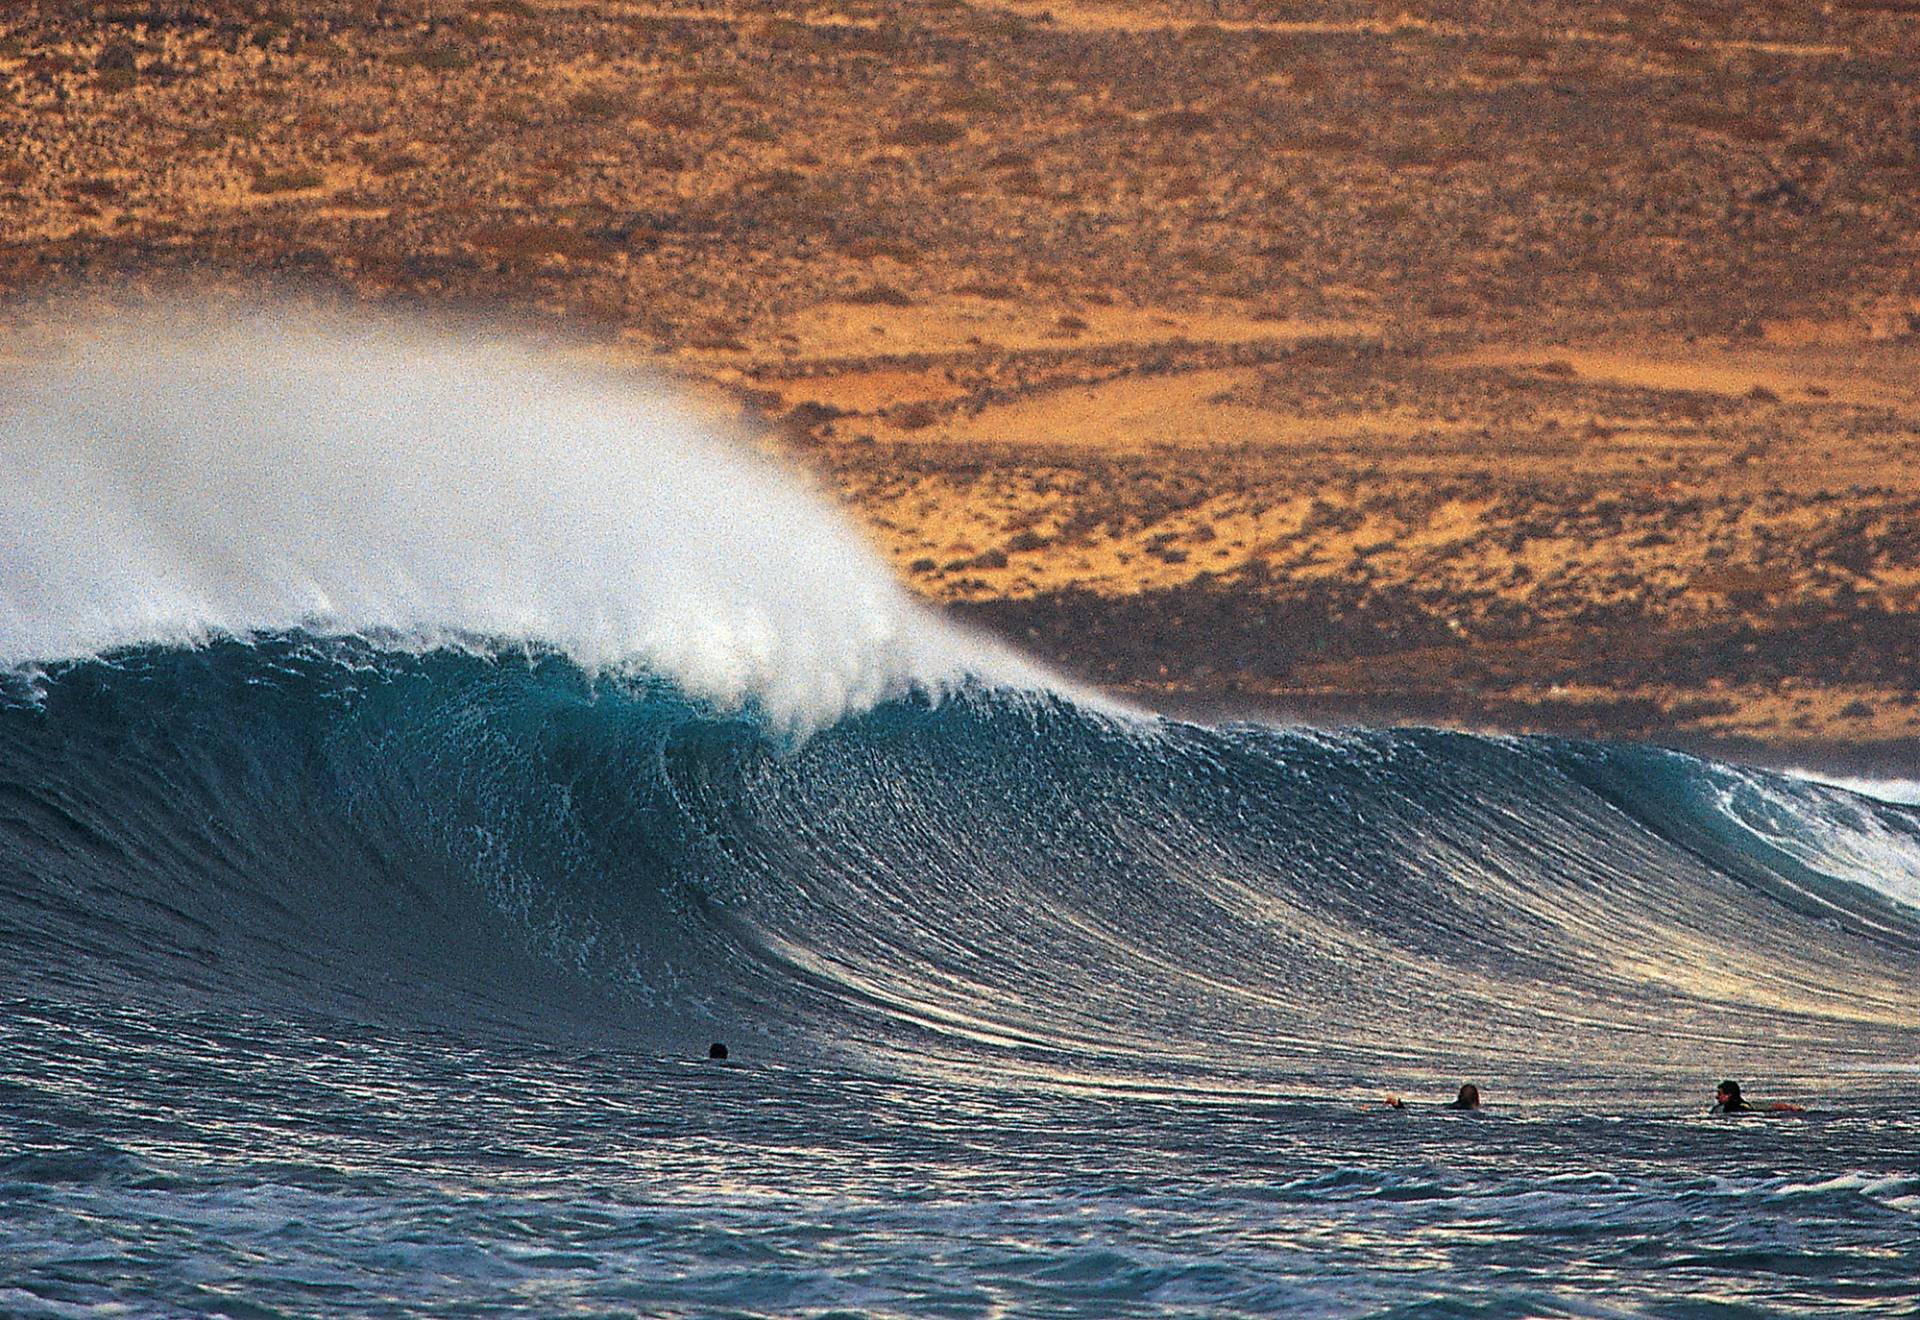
(186, 476)
(388, 675)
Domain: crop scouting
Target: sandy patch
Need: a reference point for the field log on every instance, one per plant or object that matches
(1716, 371)
(1188, 410)
(868, 391)
(1135, 410)
(1140, 19)
(1130, 19)
(960, 323)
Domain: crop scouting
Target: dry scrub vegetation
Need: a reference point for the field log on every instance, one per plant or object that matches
(1546, 364)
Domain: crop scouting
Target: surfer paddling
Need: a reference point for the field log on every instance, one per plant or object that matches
(1469, 1098)
(1728, 1100)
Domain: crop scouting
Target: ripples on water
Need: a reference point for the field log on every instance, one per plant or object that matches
(208, 1165)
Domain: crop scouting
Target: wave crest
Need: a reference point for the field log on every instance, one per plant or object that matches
(189, 474)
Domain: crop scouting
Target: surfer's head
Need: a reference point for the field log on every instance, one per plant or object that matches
(1728, 1093)
(716, 1051)
(1469, 1097)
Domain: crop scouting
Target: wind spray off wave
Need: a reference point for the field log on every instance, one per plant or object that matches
(182, 476)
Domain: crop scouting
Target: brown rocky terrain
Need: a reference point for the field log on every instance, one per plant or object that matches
(1542, 365)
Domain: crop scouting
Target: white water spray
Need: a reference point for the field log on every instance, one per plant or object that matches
(1901, 792)
(174, 478)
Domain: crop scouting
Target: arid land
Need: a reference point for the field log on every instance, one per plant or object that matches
(1533, 366)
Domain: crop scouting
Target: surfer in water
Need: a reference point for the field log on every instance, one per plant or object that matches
(1728, 1100)
(717, 1052)
(1469, 1098)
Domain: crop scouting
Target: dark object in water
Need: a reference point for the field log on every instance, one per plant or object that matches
(1728, 1100)
(716, 1051)
(1469, 1097)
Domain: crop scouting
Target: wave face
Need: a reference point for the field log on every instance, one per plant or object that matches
(321, 824)
(399, 677)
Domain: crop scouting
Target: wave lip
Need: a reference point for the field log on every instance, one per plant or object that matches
(1901, 792)
(180, 476)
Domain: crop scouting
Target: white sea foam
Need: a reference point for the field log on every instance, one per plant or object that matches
(1905, 792)
(1828, 832)
(185, 475)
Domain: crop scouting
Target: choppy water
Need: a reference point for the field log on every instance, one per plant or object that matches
(222, 1164)
(367, 901)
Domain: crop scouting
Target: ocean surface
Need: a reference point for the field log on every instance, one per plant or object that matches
(414, 754)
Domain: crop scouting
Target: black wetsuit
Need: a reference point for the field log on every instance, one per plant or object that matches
(1732, 1107)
